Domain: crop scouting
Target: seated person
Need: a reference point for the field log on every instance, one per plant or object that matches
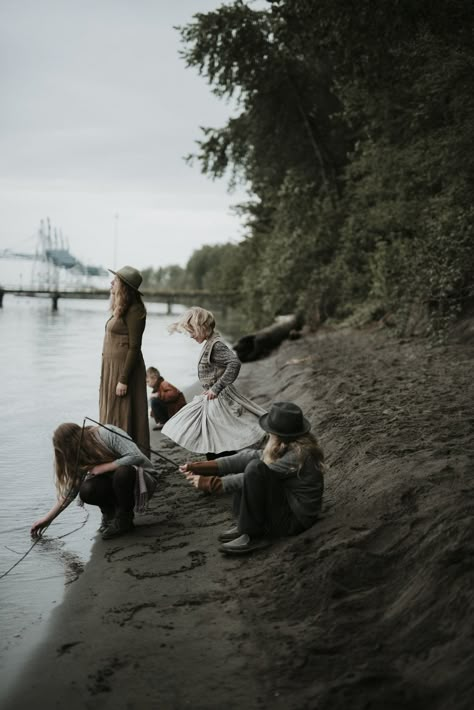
(165, 399)
(277, 491)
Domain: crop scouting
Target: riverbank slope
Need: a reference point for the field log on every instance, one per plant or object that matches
(372, 607)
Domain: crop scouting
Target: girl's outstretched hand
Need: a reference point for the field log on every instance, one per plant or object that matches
(38, 527)
(184, 468)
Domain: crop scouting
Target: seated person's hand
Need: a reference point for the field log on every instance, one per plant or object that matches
(185, 467)
(193, 479)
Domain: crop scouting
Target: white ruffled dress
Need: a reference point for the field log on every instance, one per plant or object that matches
(227, 423)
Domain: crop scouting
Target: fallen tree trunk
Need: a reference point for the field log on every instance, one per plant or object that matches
(259, 344)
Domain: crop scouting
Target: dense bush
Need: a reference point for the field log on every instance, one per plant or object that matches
(354, 131)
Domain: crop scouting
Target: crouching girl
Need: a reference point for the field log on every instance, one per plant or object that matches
(104, 467)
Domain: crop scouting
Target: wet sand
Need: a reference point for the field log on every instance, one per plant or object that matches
(370, 608)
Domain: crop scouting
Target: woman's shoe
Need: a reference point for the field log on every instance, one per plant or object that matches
(120, 525)
(229, 534)
(244, 544)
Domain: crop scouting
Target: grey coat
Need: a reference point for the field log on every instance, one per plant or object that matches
(303, 484)
(127, 452)
(218, 365)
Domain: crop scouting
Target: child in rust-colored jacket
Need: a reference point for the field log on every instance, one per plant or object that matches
(165, 399)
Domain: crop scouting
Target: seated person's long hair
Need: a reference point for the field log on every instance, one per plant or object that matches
(303, 447)
(70, 466)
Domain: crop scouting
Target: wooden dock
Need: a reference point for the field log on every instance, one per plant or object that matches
(216, 299)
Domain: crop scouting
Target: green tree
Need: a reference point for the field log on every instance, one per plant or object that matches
(353, 130)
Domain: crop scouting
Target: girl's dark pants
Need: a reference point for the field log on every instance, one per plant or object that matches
(261, 506)
(114, 491)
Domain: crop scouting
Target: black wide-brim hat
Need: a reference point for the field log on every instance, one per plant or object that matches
(285, 420)
(132, 277)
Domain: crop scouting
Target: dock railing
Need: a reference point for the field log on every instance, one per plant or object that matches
(220, 299)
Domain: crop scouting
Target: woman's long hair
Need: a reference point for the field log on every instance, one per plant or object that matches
(304, 447)
(75, 452)
(122, 298)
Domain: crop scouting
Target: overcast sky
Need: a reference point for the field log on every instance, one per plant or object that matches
(97, 112)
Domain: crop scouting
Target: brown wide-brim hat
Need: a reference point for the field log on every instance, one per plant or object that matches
(285, 420)
(132, 277)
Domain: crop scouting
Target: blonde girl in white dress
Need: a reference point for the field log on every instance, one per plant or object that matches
(221, 418)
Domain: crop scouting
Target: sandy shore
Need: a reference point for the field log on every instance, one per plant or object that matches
(370, 608)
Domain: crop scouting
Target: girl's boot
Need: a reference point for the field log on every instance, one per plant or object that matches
(120, 525)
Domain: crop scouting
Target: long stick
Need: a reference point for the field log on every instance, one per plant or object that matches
(129, 438)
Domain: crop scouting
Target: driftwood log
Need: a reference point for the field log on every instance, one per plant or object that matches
(259, 344)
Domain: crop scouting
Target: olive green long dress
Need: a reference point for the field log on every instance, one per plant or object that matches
(122, 361)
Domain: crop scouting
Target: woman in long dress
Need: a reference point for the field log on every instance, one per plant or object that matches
(221, 419)
(123, 396)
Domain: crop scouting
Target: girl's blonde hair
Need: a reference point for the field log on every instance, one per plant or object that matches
(75, 452)
(122, 298)
(303, 447)
(195, 321)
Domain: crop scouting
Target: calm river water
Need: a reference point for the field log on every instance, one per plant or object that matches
(50, 368)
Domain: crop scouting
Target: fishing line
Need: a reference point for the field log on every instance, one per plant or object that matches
(129, 438)
(4, 574)
(76, 529)
(59, 537)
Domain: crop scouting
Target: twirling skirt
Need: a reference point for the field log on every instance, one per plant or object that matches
(227, 423)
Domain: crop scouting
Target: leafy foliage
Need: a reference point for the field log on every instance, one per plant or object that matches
(354, 132)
